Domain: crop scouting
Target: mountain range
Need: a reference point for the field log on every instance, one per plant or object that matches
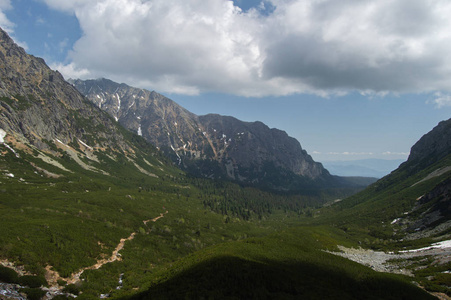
(90, 209)
(377, 168)
(213, 146)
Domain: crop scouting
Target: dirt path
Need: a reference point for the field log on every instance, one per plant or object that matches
(53, 276)
(155, 219)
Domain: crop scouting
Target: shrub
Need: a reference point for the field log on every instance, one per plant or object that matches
(72, 289)
(33, 294)
(33, 281)
(8, 275)
(61, 282)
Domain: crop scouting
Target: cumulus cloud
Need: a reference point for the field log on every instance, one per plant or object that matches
(71, 71)
(441, 100)
(5, 23)
(299, 46)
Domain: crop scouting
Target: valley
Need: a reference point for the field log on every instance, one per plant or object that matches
(85, 202)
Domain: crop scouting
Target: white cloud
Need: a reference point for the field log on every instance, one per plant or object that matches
(347, 153)
(301, 46)
(389, 153)
(71, 71)
(5, 23)
(5, 4)
(441, 100)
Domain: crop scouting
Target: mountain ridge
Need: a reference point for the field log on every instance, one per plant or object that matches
(212, 145)
(45, 117)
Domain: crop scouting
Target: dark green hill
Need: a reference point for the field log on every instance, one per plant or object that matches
(289, 265)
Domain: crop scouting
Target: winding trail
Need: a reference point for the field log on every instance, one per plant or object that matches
(53, 276)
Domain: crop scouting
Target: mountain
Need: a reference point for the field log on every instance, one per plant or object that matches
(415, 198)
(90, 209)
(212, 146)
(44, 116)
(364, 167)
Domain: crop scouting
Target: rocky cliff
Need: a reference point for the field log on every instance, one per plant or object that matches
(44, 116)
(433, 146)
(213, 146)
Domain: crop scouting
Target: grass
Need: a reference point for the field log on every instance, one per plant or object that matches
(218, 240)
(288, 265)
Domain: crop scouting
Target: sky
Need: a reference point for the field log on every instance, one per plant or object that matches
(348, 79)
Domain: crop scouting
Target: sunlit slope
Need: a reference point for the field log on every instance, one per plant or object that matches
(414, 199)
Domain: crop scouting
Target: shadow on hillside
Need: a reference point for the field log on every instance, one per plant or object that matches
(229, 277)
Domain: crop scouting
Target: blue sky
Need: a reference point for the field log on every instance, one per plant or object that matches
(348, 80)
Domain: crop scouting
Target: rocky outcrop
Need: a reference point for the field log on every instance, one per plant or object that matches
(38, 107)
(213, 146)
(432, 146)
(47, 120)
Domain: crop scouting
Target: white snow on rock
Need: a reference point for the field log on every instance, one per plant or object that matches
(2, 141)
(395, 220)
(439, 245)
(2, 136)
(140, 133)
(84, 144)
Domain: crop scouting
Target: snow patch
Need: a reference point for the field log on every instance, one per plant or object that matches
(395, 221)
(2, 136)
(10, 175)
(84, 144)
(59, 141)
(140, 133)
(178, 156)
(439, 245)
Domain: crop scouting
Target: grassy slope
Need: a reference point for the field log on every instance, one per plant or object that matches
(291, 264)
(287, 265)
(193, 251)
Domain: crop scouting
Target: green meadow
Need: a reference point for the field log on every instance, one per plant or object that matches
(216, 240)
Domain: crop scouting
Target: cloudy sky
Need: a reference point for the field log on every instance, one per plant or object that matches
(349, 79)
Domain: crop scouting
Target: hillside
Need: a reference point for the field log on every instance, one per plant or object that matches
(417, 189)
(407, 209)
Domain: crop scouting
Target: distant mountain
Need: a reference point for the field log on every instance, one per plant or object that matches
(415, 198)
(212, 146)
(365, 167)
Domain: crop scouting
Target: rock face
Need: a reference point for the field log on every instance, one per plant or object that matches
(434, 145)
(213, 146)
(45, 117)
(38, 105)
